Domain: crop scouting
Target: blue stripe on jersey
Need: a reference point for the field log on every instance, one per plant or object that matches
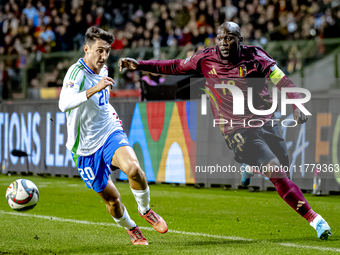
(86, 67)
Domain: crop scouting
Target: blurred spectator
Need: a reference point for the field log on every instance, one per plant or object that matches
(100, 18)
(156, 43)
(30, 11)
(56, 77)
(186, 36)
(63, 38)
(78, 29)
(259, 40)
(152, 79)
(118, 42)
(36, 27)
(4, 78)
(47, 34)
(41, 45)
(118, 19)
(149, 79)
(230, 10)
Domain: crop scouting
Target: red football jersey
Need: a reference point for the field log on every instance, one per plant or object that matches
(251, 68)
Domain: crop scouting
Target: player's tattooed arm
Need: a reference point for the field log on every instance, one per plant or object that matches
(102, 84)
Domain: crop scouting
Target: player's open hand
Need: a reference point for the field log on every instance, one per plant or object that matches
(128, 63)
(299, 116)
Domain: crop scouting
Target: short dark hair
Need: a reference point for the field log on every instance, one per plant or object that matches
(95, 33)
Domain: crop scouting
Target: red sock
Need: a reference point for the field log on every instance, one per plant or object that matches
(292, 194)
(310, 215)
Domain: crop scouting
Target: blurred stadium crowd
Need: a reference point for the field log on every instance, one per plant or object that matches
(29, 26)
(34, 27)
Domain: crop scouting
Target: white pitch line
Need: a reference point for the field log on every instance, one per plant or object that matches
(309, 247)
(169, 231)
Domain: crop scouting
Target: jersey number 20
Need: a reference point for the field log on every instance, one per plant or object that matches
(86, 174)
(104, 97)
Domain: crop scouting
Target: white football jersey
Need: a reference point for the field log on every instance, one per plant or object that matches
(89, 121)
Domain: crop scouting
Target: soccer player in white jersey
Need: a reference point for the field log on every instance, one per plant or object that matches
(96, 138)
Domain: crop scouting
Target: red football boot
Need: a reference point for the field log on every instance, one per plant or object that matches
(156, 221)
(136, 236)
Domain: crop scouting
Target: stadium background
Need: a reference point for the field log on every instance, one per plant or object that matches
(39, 40)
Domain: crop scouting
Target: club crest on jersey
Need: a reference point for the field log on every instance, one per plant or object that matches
(243, 71)
(69, 85)
(187, 60)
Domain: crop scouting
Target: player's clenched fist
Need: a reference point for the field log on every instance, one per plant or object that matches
(128, 63)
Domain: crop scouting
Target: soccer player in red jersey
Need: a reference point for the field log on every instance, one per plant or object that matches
(254, 146)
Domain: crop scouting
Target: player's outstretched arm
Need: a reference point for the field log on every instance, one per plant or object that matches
(174, 66)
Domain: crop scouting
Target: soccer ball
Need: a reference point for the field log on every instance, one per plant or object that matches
(22, 195)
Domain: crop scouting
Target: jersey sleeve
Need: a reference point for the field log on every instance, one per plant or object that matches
(191, 65)
(265, 62)
(71, 95)
(268, 67)
(282, 81)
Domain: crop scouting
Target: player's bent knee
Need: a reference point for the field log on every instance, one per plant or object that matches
(114, 203)
(134, 172)
(271, 167)
(279, 174)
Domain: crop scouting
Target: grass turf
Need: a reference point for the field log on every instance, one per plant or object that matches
(219, 222)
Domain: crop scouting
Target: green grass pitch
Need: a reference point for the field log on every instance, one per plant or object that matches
(71, 219)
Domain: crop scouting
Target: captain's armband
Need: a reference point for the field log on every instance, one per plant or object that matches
(276, 74)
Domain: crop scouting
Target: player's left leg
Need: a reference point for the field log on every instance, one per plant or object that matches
(293, 196)
(120, 214)
(126, 160)
(255, 147)
(286, 188)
